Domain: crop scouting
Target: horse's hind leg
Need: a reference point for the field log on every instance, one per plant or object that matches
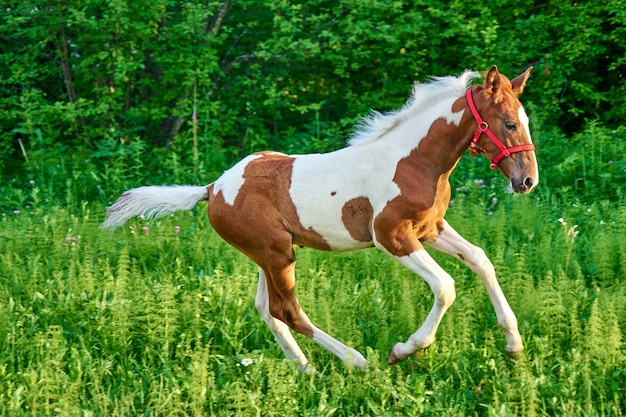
(280, 330)
(283, 305)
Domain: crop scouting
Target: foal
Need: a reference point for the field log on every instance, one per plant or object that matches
(389, 189)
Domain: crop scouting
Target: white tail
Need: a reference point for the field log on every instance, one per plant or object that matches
(154, 201)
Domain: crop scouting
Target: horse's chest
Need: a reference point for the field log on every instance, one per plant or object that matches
(427, 222)
(411, 217)
(427, 225)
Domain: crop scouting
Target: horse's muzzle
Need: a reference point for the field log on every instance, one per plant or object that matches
(522, 186)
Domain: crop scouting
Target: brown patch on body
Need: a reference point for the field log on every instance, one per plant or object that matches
(263, 224)
(417, 213)
(262, 208)
(356, 215)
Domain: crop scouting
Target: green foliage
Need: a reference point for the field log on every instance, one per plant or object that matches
(216, 80)
(98, 97)
(156, 320)
(593, 169)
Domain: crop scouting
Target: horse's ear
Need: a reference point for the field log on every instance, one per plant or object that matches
(520, 81)
(492, 84)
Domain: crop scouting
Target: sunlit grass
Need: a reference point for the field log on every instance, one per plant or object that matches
(157, 318)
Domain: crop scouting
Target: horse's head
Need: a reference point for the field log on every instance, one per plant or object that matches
(503, 133)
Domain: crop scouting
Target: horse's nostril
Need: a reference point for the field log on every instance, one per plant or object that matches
(528, 182)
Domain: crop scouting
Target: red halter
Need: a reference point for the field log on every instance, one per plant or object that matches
(483, 127)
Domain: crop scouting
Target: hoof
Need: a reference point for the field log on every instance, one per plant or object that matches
(514, 356)
(307, 368)
(361, 365)
(393, 358)
(355, 360)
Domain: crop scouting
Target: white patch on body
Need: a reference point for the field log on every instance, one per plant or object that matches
(454, 117)
(322, 183)
(230, 182)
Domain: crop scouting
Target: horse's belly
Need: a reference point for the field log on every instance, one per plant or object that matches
(335, 233)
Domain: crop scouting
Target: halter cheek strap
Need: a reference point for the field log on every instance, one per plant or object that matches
(483, 127)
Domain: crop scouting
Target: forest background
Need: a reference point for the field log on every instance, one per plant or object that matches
(119, 93)
(158, 318)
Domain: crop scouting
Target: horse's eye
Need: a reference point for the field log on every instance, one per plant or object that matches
(510, 126)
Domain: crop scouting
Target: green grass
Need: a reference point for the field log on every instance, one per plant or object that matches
(156, 323)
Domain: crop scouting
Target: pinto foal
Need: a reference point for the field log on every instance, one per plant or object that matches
(389, 189)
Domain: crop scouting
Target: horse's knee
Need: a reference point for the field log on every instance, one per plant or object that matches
(481, 262)
(445, 293)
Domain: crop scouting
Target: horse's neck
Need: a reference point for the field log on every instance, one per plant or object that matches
(438, 142)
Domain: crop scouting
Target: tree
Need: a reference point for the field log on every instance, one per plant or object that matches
(231, 77)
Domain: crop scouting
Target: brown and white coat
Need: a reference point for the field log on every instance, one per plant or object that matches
(388, 189)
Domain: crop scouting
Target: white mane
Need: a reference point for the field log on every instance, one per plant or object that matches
(377, 124)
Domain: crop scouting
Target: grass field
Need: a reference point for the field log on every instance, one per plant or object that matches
(158, 319)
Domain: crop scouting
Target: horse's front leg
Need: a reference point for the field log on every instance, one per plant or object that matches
(450, 242)
(442, 285)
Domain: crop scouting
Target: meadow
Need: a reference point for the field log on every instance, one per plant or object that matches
(158, 318)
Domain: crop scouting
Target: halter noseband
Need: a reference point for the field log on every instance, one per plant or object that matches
(483, 127)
